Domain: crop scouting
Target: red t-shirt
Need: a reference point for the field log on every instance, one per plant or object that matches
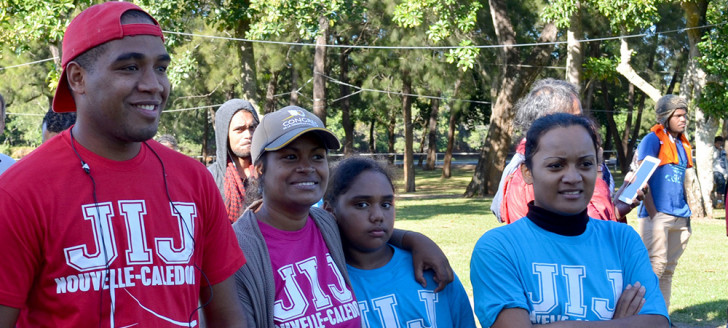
(310, 290)
(72, 260)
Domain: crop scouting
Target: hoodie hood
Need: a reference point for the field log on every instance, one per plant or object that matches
(223, 116)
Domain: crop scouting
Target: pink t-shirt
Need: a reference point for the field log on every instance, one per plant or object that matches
(310, 290)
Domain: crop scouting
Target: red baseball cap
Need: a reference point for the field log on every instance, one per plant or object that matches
(94, 26)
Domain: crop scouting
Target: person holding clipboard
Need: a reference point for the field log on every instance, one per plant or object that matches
(664, 217)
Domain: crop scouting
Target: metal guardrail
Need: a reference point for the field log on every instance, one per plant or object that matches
(398, 157)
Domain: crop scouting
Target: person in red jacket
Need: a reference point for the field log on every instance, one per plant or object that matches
(510, 203)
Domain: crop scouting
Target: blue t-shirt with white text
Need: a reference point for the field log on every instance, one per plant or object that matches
(667, 183)
(559, 278)
(390, 297)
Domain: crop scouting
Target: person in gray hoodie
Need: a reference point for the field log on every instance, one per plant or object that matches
(235, 122)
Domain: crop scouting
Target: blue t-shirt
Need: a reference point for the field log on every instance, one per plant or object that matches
(390, 297)
(667, 183)
(557, 278)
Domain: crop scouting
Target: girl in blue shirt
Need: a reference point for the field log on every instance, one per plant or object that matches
(361, 197)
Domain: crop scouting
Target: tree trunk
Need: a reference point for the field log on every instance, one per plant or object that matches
(724, 131)
(626, 133)
(515, 81)
(691, 87)
(294, 87)
(270, 100)
(390, 136)
(56, 53)
(588, 98)
(432, 134)
(673, 81)
(608, 144)
(423, 141)
(319, 69)
(612, 126)
(636, 132)
(628, 123)
(409, 164)
(209, 122)
(574, 47)
(346, 121)
(586, 105)
(451, 125)
(372, 145)
(247, 63)
(54, 49)
(447, 161)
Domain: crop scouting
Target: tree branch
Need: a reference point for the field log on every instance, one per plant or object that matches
(631, 75)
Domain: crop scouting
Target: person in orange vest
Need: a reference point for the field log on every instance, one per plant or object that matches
(664, 216)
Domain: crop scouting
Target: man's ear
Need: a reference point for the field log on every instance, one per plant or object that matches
(526, 173)
(76, 77)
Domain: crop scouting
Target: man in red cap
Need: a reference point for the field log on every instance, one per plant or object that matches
(130, 233)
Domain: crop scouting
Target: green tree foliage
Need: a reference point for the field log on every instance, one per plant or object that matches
(444, 18)
(26, 91)
(714, 60)
(286, 17)
(202, 75)
(27, 23)
(602, 68)
(22, 21)
(624, 15)
(205, 72)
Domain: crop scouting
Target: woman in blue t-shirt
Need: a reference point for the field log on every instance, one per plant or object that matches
(361, 197)
(557, 264)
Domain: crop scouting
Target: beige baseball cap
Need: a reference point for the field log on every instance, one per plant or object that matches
(278, 129)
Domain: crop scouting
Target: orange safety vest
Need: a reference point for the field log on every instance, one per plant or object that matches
(668, 149)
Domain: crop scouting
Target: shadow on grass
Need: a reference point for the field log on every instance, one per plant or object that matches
(719, 214)
(425, 208)
(710, 314)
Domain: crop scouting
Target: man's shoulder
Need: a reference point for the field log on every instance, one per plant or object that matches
(47, 161)
(650, 137)
(505, 234)
(650, 145)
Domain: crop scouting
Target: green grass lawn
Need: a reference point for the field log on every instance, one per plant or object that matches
(700, 284)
